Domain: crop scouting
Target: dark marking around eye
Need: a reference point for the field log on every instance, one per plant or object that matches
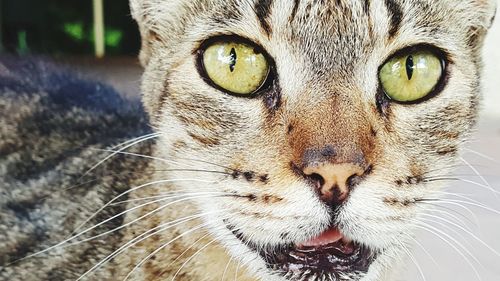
(409, 67)
(382, 103)
(272, 99)
(233, 58)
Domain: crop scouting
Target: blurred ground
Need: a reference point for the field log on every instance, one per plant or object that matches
(466, 255)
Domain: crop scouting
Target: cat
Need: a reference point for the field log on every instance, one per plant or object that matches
(291, 140)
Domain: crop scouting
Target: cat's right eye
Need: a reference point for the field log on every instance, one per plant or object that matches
(236, 67)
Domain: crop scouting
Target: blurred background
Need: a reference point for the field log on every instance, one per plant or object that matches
(59, 27)
(99, 39)
(95, 37)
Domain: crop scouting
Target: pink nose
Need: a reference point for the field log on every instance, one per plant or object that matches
(333, 181)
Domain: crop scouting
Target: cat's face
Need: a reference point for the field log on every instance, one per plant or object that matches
(323, 172)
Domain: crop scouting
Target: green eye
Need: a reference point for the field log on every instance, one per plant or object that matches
(411, 77)
(235, 67)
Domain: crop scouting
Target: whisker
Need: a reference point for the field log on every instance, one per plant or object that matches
(161, 248)
(405, 249)
(167, 160)
(436, 232)
(131, 190)
(482, 155)
(424, 249)
(489, 188)
(449, 168)
(476, 220)
(133, 221)
(88, 229)
(480, 176)
(236, 271)
(134, 139)
(194, 170)
(460, 235)
(181, 255)
(226, 268)
(142, 237)
(467, 232)
(462, 196)
(151, 136)
(140, 155)
(192, 257)
(481, 206)
(165, 196)
(455, 218)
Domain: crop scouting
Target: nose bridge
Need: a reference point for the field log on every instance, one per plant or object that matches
(332, 130)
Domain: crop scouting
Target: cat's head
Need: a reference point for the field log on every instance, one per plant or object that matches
(324, 126)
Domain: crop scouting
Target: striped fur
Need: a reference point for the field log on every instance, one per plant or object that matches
(237, 154)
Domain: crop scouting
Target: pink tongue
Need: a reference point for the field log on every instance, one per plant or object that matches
(328, 237)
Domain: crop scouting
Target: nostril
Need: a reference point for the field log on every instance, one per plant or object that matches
(352, 181)
(316, 179)
(333, 182)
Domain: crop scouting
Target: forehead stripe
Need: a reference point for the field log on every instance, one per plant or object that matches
(296, 4)
(396, 13)
(263, 11)
(366, 7)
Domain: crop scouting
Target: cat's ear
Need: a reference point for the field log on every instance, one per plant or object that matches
(137, 10)
(141, 11)
(480, 15)
(158, 21)
(487, 11)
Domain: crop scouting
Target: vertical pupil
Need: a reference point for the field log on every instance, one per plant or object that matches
(232, 63)
(409, 67)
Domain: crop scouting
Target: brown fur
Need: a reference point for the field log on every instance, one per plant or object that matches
(324, 107)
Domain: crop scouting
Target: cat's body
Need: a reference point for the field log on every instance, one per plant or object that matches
(317, 152)
(52, 123)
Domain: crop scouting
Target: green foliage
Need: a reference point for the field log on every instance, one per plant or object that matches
(22, 44)
(74, 30)
(65, 27)
(113, 37)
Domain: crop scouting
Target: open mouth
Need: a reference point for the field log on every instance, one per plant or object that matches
(329, 256)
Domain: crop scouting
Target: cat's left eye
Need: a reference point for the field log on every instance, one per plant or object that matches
(411, 77)
(236, 67)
